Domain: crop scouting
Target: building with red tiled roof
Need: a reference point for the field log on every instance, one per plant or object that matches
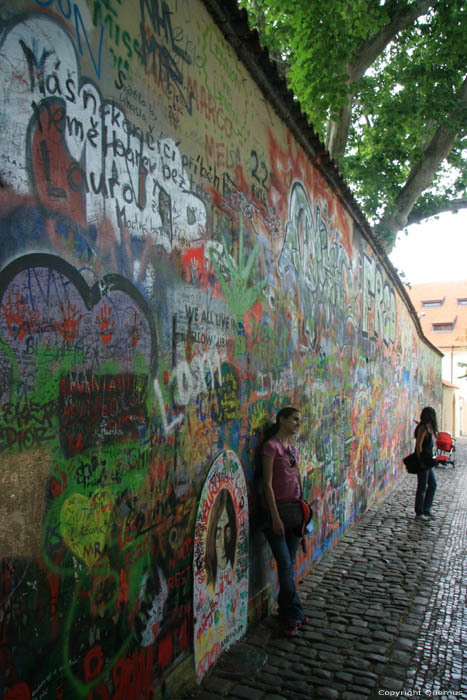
(442, 310)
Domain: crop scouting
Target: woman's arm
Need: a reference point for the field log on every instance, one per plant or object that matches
(421, 432)
(268, 467)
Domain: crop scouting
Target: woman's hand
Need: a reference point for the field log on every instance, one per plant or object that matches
(278, 526)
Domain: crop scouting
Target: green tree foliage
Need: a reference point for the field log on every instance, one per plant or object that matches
(384, 83)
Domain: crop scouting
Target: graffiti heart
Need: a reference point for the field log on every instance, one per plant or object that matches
(84, 524)
(45, 302)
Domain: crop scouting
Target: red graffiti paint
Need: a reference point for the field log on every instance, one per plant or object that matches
(134, 330)
(15, 314)
(20, 691)
(67, 327)
(56, 486)
(255, 312)
(93, 663)
(100, 692)
(199, 270)
(133, 676)
(59, 180)
(124, 591)
(106, 328)
(165, 652)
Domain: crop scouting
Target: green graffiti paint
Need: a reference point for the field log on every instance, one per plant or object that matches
(234, 276)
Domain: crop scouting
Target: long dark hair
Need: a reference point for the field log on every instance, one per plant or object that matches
(268, 433)
(223, 500)
(428, 419)
(271, 430)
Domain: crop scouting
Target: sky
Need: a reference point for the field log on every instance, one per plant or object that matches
(433, 251)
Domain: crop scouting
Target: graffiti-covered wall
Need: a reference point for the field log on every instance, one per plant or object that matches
(174, 268)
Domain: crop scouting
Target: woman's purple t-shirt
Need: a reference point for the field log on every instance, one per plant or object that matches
(285, 482)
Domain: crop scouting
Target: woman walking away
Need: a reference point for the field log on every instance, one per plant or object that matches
(281, 482)
(426, 480)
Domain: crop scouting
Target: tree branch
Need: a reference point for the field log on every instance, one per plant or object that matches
(453, 205)
(370, 50)
(422, 173)
(338, 130)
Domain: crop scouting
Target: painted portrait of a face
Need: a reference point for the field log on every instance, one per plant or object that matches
(221, 538)
(220, 561)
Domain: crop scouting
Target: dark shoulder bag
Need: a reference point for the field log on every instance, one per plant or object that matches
(411, 463)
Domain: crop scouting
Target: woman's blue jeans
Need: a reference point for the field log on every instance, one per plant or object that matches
(426, 487)
(284, 549)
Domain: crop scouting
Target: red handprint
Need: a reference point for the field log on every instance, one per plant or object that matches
(16, 317)
(133, 330)
(105, 328)
(68, 326)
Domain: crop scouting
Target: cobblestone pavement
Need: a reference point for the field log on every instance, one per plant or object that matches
(387, 610)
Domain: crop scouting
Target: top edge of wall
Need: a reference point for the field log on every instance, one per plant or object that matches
(233, 23)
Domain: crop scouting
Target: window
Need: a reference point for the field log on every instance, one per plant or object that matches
(443, 327)
(462, 302)
(432, 303)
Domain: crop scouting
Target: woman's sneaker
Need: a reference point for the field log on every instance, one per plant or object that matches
(292, 627)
